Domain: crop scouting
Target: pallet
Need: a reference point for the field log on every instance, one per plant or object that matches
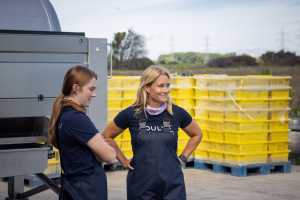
(243, 170)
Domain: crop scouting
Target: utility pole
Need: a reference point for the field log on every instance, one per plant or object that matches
(282, 39)
(207, 44)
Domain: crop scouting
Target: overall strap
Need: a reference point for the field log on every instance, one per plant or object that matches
(142, 120)
(167, 122)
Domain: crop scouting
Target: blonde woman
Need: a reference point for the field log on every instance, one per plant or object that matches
(153, 121)
(81, 146)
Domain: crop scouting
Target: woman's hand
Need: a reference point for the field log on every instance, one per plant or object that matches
(127, 165)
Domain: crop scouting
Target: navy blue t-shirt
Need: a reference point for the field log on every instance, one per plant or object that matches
(153, 127)
(127, 118)
(74, 130)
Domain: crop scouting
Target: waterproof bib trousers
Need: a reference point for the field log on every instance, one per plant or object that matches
(92, 186)
(157, 173)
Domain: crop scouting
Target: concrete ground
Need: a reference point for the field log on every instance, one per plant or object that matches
(206, 185)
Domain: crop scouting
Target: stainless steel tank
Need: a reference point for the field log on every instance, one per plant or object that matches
(34, 56)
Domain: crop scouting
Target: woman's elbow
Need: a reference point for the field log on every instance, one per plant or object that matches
(198, 137)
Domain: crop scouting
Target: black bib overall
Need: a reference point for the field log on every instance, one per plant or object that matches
(157, 173)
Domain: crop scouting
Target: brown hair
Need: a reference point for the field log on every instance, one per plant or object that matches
(76, 75)
(149, 76)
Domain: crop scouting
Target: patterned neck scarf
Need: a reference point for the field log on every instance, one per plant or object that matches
(156, 111)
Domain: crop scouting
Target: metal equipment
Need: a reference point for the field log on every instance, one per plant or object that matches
(33, 62)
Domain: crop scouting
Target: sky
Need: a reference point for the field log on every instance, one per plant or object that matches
(215, 26)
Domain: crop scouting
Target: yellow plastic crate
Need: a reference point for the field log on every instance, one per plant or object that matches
(128, 153)
(129, 93)
(115, 82)
(279, 81)
(245, 148)
(182, 135)
(279, 104)
(251, 94)
(278, 136)
(126, 135)
(280, 94)
(204, 134)
(278, 126)
(241, 137)
(203, 146)
(201, 155)
(186, 103)
(130, 82)
(182, 93)
(118, 140)
(213, 146)
(218, 81)
(215, 136)
(125, 145)
(111, 113)
(202, 123)
(215, 94)
(244, 105)
(56, 159)
(114, 103)
(245, 126)
(216, 115)
(209, 104)
(201, 93)
(278, 146)
(241, 159)
(183, 81)
(219, 147)
(181, 144)
(114, 94)
(281, 115)
(279, 156)
(214, 125)
(253, 82)
(127, 102)
(216, 156)
(246, 115)
(201, 113)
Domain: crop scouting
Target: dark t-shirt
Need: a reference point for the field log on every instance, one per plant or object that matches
(127, 118)
(149, 131)
(74, 130)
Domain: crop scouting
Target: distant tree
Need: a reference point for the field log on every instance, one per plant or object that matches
(140, 63)
(118, 47)
(233, 61)
(280, 58)
(127, 48)
(244, 60)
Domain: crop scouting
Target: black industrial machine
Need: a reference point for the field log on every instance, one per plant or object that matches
(34, 56)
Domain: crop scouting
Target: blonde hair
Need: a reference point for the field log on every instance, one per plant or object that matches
(149, 76)
(76, 75)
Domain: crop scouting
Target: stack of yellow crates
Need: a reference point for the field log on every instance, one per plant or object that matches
(279, 117)
(114, 100)
(182, 94)
(121, 94)
(244, 119)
